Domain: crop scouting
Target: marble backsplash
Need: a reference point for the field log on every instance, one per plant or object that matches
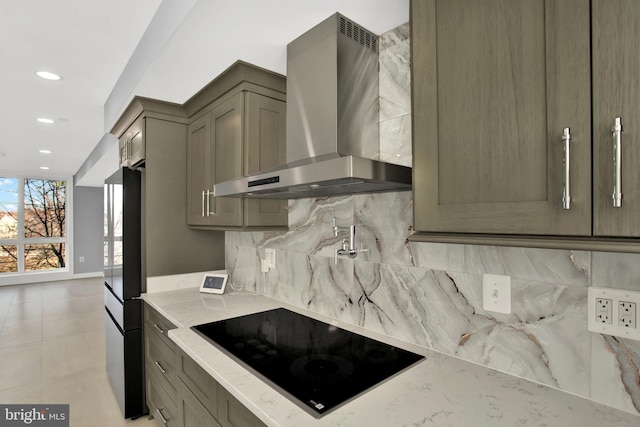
(431, 294)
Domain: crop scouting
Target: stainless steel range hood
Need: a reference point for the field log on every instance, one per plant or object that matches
(333, 137)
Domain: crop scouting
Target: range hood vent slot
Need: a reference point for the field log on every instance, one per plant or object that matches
(358, 34)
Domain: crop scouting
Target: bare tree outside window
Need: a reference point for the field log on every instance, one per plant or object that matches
(44, 217)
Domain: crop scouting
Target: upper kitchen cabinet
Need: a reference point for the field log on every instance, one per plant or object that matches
(130, 128)
(237, 128)
(131, 145)
(502, 133)
(495, 82)
(616, 93)
(162, 128)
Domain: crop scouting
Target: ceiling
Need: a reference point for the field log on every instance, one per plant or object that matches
(109, 51)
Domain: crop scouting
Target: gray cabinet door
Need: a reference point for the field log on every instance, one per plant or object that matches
(132, 144)
(494, 84)
(616, 93)
(265, 150)
(198, 171)
(215, 155)
(226, 158)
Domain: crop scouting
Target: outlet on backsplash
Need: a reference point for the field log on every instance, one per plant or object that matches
(613, 312)
(603, 310)
(627, 314)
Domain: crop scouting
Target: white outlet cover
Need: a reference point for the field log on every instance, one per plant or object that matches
(616, 296)
(264, 265)
(496, 293)
(270, 256)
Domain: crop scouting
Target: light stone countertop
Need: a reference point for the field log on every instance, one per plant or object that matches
(439, 391)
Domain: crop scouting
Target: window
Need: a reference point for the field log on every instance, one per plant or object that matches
(33, 225)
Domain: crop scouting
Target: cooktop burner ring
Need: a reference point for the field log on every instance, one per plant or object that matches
(377, 354)
(321, 369)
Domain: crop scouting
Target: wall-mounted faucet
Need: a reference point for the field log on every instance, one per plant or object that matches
(348, 243)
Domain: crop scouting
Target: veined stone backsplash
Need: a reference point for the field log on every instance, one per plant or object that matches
(431, 294)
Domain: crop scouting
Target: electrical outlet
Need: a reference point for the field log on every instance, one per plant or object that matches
(613, 312)
(627, 314)
(603, 311)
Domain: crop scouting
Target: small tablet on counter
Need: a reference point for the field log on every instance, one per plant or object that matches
(214, 283)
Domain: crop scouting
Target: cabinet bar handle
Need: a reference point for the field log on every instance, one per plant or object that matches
(566, 192)
(164, 371)
(209, 213)
(203, 203)
(162, 418)
(162, 331)
(616, 131)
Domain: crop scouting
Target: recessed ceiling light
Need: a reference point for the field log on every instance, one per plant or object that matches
(45, 151)
(44, 168)
(45, 120)
(48, 75)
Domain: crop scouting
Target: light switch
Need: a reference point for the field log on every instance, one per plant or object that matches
(496, 293)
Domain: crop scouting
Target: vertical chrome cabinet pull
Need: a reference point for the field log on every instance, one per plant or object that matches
(566, 191)
(209, 213)
(203, 203)
(616, 131)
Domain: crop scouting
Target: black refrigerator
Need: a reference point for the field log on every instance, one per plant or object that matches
(123, 279)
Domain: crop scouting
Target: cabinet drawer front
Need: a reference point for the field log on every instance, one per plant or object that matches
(158, 400)
(161, 360)
(203, 386)
(232, 413)
(158, 326)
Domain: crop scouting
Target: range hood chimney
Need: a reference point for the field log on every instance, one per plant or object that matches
(333, 136)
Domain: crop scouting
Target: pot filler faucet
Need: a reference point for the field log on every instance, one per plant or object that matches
(348, 243)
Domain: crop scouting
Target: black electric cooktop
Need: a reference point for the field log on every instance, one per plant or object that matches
(317, 365)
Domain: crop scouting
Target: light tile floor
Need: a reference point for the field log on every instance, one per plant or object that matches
(52, 350)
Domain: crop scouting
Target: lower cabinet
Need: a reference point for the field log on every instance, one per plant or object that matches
(160, 369)
(204, 402)
(179, 392)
